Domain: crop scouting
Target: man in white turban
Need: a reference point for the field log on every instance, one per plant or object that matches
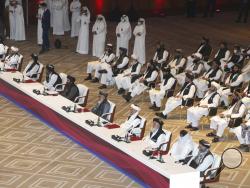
(75, 8)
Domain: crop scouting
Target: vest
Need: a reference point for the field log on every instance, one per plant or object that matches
(210, 100)
(221, 54)
(159, 53)
(156, 136)
(58, 81)
(31, 67)
(137, 117)
(213, 73)
(134, 67)
(186, 88)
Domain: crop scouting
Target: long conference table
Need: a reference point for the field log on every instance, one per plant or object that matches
(127, 158)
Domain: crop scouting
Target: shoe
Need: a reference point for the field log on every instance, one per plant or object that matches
(127, 97)
(160, 114)
(216, 139)
(194, 129)
(189, 126)
(121, 91)
(89, 77)
(103, 87)
(211, 134)
(103, 71)
(95, 80)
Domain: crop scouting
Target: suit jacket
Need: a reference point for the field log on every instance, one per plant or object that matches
(46, 20)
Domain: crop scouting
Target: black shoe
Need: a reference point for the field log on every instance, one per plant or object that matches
(189, 126)
(89, 77)
(103, 71)
(103, 87)
(216, 139)
(121, 91)
(194, 129)
(160, 114)
(95, 80)
(127, 97)
(211, 134)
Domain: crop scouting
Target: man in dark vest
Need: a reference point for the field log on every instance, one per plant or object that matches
(161, 55)
(32, 69)
(71, 90)
(202, 160)
(52, 79)
(209, 102)
(45, 27)
(229, 118)
(184, 97)
(103, 106)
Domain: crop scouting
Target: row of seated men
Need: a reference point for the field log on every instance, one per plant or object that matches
(184, 151)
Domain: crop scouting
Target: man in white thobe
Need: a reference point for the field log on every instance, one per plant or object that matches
(131, 127)
(157, 94)
(75, 8)
(95, 66)
(161, 54)
(209, 102)
(123, 34)
(3, 49)
(53, 80)
(99, 31)
(39, 25)
(142, 83)
(12, 20)
(139, 45)
(231, 117)
(187, 93)
(58, 12)
(83, 38)
(19, 21)
(124, 80)
(158, 139)
(177, 64)
(183, 147)
(12, 60)
(33, 70)
(245, 135)
(66, 24)
(213, 74)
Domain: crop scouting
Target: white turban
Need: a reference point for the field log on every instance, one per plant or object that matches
(14, 49)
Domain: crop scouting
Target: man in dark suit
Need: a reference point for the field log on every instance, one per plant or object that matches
(210, 8)
(45, 27)
(244, 8)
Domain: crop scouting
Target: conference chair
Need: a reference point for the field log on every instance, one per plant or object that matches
(111, 113)
(142, 127)
(38, 78)
(83, 95)
(205, 120)
(62, 85)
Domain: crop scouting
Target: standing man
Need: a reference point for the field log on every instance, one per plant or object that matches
(210, 8)
(123, 34)
(58, 21)
(39, 25)
(75, 8)
(45, 27)
(244, 8)
(19, 22)
(139, 46)
(191, 8)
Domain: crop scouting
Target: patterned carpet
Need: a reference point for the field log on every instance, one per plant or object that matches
(33, 155)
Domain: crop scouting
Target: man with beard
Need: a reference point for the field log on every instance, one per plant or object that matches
(12, 60)
(32, 70)
(103, 106)
(177, 64)
(52, 79)
(161, 54)
(157, 94)
(71, 90)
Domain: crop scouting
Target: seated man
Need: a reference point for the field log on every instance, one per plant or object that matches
(236, 58)
(229, 118)
(186, 93)
(177, 64)
(131, 126)
(12, 60)
(158, 139)
(195, 68)
(222, 55)
(31, 72)
(213, 74)
(204, 49)
(107, 57)
(108, 71)
(202, 159)
(71, 90)
(161, 54)
(3, 49)
(52, 79)
(233, 81)
(245, 135)
(157, 94)
(209, 102)
(103, 106)
(124, 80)
(142, 83)
(183, 147)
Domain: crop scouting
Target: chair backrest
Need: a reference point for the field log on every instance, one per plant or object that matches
(83, 92)
(64, 79)
(166, 147)
(170, 92)
(40, 73)
(143, 126)
(20, 63)
(110, 117)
